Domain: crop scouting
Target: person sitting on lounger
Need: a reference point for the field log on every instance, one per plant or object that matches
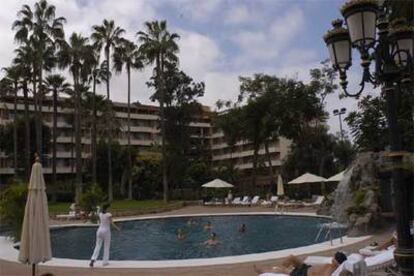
(294, 266)
(208, 226)
(180, 234)
(212, 241)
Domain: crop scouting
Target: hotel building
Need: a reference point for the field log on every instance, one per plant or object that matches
(144, 135)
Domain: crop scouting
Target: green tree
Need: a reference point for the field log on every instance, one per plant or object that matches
(159, 46)
(21, 60)
(97, 75)
(12, 205)
(128, 55)
(107, 36)
(119, 159)
(6, 144)
(56, 85)
(77, 55)
(43, 31)
(148, 173)
(10, 84)
(368, 124)
(229, 123)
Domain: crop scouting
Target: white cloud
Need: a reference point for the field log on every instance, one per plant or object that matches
(220, 85)
(198, 54)
(199, 11)
(266, 45)
(237, 15)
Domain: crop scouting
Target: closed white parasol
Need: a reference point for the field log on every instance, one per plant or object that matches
(35, 238)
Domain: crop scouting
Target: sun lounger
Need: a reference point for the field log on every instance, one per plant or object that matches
(255, 200)
(318, 201)
(236, 201)
(270, 202)
(245, 201)
(383, 260)
(70, 215)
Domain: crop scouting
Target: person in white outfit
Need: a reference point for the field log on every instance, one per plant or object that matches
(103, 234)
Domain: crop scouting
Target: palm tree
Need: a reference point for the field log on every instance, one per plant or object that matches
(107, 36)
(127, 54)
(55, 84)
(12, 78)
(159, 46)
(43, 31)
(23, 61)
(97, 75)
(77, 55)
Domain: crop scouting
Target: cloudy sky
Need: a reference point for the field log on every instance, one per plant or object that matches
(220, 39)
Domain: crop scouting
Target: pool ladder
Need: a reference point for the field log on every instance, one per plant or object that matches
(329, 228)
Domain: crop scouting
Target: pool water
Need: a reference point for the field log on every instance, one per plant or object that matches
(155, 239)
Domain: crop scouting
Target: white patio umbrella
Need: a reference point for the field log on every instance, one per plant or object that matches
(217, 183)
(336, 178)
(35, 238)
(307, 178)
(280, 189)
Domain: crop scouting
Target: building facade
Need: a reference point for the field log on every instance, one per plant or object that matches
(145, 134)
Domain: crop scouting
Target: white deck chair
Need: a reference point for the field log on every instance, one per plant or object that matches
(380, 261)
(270, 202)
(70, 215)
(236, 201)
(255, 200)
(245, 201)
(318, 201)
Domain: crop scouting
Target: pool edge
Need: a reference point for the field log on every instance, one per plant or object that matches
(9, 253)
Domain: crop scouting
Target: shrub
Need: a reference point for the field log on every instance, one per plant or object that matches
(92, 198)
(12, 205)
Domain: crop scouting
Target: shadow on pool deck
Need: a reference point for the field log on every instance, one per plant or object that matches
(244, 269)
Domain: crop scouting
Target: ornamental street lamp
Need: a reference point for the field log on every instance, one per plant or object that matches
(392, 52)
(338, 113)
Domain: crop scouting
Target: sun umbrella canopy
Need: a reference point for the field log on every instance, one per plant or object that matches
(336, 178)
(217, 183)
(307, 178)
(35, 238)
(280, 189)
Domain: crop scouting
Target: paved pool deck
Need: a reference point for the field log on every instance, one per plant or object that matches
(9, 268)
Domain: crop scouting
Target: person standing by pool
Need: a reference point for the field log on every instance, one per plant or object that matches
(103, 234)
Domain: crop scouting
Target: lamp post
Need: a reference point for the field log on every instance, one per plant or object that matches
(338, 113)
(392, 52)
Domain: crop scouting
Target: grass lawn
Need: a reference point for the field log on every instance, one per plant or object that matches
(117, 205)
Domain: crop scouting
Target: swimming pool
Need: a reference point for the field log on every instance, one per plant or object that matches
(155, 239)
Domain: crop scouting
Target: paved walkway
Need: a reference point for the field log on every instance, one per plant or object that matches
(244, 269)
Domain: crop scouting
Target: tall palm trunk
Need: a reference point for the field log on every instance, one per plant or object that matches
(160, 71)
(15, 130)
(55, 99)
(39, 133)
(110, 192)
(269, 159)
(27, 131)
(255, 157)
(78, 145)
(129, 135)
(93, 142)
